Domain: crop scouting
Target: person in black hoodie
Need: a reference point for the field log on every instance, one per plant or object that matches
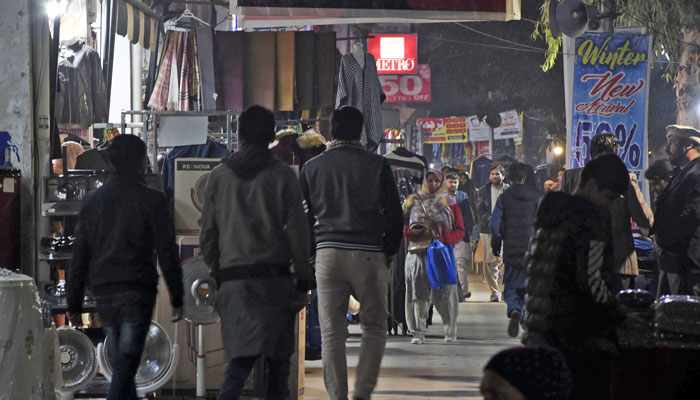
(511, 222)
(570, 266)
(119, 227)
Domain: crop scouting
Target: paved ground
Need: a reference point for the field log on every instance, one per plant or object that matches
(434, 370)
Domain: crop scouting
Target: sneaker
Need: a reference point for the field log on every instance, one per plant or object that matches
(467, 295)
(417, 340)
(449, 339)
(514, 323)
(494, 298)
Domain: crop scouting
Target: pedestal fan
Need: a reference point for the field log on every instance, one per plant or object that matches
(200, 295)
(78, 360)
(158, 360)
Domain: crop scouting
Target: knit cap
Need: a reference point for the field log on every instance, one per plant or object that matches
(538, 372)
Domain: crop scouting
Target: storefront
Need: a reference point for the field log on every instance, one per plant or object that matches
(178, 75)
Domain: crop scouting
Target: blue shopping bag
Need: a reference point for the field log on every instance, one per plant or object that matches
(441, 265)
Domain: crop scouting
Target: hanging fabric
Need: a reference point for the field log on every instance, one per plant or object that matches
(324, 53)
(229, 63)
(360, 88)
(259, 72)
(304, 71)
(285, 71)
(205, 57)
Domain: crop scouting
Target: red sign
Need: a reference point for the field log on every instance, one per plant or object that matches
(407, 88)
(395, 54)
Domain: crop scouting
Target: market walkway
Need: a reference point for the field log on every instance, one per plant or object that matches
(434, 370)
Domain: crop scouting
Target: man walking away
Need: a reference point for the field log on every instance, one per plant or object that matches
(463, 253)
(677, 227)
(253, 225)
(119, 226)
(353, 205)
(486, 202)
(512, 222)
(569, 302)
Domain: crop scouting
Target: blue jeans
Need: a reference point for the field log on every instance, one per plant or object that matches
(277, 372)
(125, 318)
(514, 288)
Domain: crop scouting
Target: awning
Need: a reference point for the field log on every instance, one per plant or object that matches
(138, 22)
(275, 13)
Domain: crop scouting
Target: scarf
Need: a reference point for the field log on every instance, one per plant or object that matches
(338, 144)
(250, 160)
(437, 204)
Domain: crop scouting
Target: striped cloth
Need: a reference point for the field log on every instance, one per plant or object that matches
(360, 88)
(159, 96)
(185, 74)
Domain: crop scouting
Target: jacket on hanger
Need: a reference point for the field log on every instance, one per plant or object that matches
(81, 98)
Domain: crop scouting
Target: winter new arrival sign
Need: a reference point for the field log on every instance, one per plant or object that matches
(610, 95)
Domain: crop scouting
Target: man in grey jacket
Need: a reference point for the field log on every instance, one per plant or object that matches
(253, 226)
(353, 206)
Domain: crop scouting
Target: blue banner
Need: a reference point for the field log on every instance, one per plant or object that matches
(610, 95)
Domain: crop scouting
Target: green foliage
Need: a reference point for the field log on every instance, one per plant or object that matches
(664, 19)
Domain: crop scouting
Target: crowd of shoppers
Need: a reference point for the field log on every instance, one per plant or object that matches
(269, 237)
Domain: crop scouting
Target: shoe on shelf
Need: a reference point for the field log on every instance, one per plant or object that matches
(467, 295)
(449, 339)
(514, 323)
(494, 298)
(417, 340)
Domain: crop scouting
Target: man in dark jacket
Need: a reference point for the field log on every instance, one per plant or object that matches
(677, 227)
(511, 222)
(569, 303)
(253, 227)
(119, 226)
(630, 205)
(353, 207)
(485, 204)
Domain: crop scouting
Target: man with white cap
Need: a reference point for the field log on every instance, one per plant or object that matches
(677, 222)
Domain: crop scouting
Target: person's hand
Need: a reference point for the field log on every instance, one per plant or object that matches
(299, 301)
(74, 318)
(177, 314)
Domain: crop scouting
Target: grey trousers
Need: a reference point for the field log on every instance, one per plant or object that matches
(365, 275)
(463, 259)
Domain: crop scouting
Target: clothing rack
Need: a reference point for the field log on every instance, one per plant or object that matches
(152, 126)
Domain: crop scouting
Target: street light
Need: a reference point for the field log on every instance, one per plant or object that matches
(55, 8)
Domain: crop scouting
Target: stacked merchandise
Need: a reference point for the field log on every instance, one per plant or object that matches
(637, 330)
(677, 321)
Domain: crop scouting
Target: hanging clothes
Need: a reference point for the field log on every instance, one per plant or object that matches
(229, 64)
(81, 99)
(360, 88)
(325, 53)
(161, 89)
(285, 71)
(259, 72)
(304, 70)
(205, 56)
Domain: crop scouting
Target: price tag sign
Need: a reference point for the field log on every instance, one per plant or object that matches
(610, 95)
(407, 88)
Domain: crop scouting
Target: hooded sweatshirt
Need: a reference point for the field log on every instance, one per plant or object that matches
(253, 215)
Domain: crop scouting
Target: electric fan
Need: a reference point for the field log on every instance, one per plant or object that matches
(200, 295)
(158, 360)
(78, 363)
